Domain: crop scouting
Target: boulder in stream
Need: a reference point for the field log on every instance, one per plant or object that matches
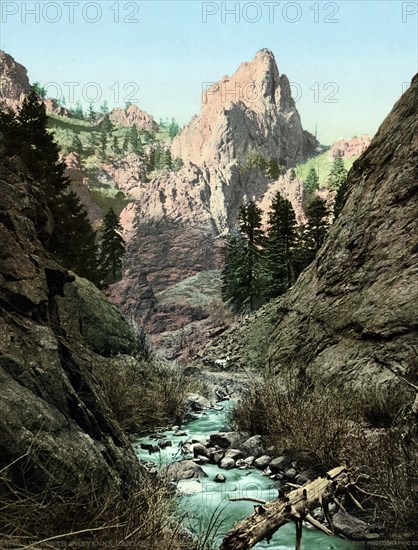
(219, 478)
(262, 462)
(253, 446)
(186, 469)
(198, 403)
(227, 463)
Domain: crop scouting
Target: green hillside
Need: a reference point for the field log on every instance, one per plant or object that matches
(322, 164)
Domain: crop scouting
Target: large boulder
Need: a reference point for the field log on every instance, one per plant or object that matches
(186, 469)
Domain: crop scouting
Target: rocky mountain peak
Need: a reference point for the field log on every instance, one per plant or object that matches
(249, 110)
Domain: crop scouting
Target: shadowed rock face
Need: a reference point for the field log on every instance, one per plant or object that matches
(54, 330)
(352, 315)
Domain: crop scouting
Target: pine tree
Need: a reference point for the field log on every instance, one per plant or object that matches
(103, 144)
(78, 111)
(91, 115)
(312, 181)
(173, 129)
(106, 125)
(112, 246)
(115, 146)
(76, 145)
(316, 228)
(338, 174)
(241, 278)
(26, 135)
(135, 141)
(279, 272)
(340, 198)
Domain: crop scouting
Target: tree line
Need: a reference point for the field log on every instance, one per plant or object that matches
(261, 265)
(73, 240)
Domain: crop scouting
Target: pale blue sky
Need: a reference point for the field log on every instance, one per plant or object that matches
(369, 50)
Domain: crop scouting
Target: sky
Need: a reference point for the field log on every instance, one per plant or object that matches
(348, 61)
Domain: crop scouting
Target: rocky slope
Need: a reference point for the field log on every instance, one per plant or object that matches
(351, 318)
(55, 330)
(186, 214)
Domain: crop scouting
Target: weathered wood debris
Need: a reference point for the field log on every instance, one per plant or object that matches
(268, 517)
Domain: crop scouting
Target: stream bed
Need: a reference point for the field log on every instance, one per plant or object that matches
(203, 499)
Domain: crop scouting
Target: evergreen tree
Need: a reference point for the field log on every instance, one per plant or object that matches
(340, 198)
(106, 125)
(241, 281)
(115, 146)
(76, 145)
(39, 90)
(312, 181)
(125, 144)
(112, 246)
(91, 115)
(26, 135)
(279, 248)
(135, 141)
(338, 174)
(78, 111)
(173, 129)
(104, 107)
(316, 228)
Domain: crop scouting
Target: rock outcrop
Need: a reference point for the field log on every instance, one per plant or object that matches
(186, 214)
(55, 329)
(133, 116)
(253, 109)
(352, 147)
(351, 318)
(14, 81)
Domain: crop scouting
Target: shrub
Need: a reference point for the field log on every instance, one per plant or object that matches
(144, 395)
(309, 422)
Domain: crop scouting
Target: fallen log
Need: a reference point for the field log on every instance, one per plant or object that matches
(295, 506)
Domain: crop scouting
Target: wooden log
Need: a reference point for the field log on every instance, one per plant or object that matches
(257, 527)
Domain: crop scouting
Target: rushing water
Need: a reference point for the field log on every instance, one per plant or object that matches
(204, 500)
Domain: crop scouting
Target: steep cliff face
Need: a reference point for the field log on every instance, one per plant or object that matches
(14, 82)
(55, 329)
(186, 214)
(352, 317)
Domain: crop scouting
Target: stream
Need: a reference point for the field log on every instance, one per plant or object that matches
(203, 499)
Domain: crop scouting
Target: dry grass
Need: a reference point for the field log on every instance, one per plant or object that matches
(144, 395)
(51, 516)
(323, 428)
(309, 423)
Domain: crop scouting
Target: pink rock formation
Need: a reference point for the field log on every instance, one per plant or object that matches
(252, 109)
(186, 214)
(54, 108)
(350, 147)
(14, 81)
(132, 115)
